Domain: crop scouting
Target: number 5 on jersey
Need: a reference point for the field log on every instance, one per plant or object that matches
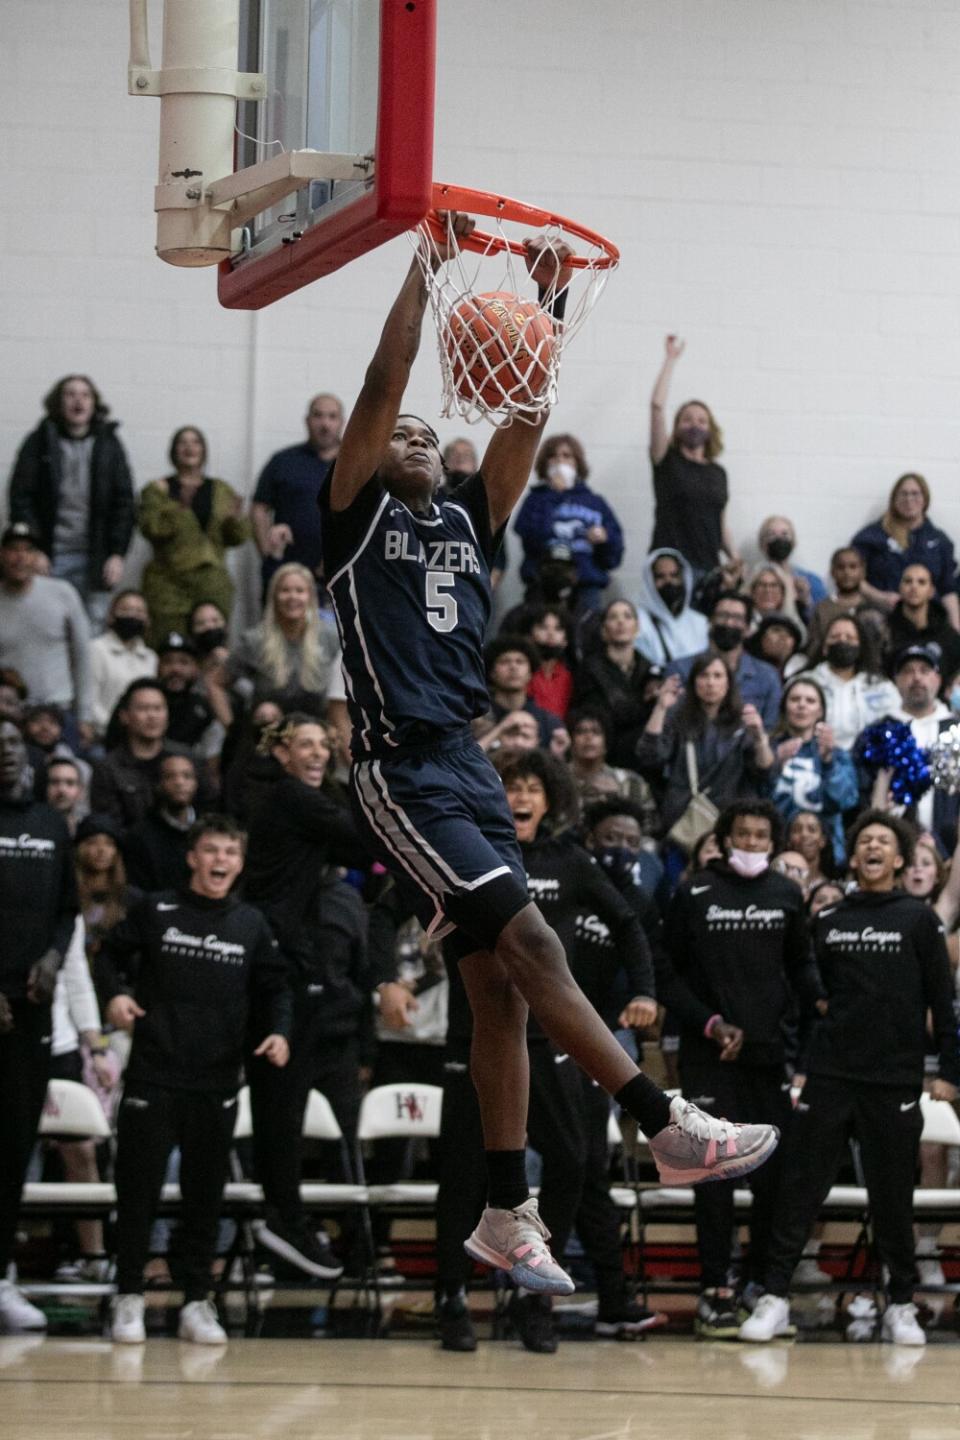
(441, 607)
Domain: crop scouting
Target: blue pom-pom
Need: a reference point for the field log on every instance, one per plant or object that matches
(890, 745)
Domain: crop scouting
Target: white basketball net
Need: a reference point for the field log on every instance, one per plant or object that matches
(476, 386)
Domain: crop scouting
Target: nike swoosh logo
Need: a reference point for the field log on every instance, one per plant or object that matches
(162, 906)
(228, 1103)
(699, 889)
(559, 1059)
(910, 1105)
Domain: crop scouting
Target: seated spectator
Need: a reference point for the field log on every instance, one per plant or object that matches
(823, 893)
(517, 732)
(551, 686)
(68, 790)
(777, 540)
(511, 662)
(811, 774)
(44, 728)
(848, 573)
(916, 674)
(904, 534)
(856, 697)
(125, 779)
(689, 487)
(190, 519)
(102, 890)
(284, 511)
(44, 632)
(792, 865)
(669, 626)
(757, 682)
(155, 848)
(619, 681)
(207, 629)
(733, 756)
(190, 713)
(777, 640)
(71, 486)
(291, 653)
(13, 694)
(807, 833)
(615, 832)
(919, 618)
(562, 508)
(119, 655)
(771, 592)
(596, 780)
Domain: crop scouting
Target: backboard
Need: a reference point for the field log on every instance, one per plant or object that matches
(354, 81)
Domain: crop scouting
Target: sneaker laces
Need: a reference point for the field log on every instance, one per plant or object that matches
(702, 1126)
(533, 1249)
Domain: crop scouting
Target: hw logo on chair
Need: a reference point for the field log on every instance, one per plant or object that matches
(409, 1107)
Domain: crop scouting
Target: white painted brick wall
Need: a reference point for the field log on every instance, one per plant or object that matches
(781, 175)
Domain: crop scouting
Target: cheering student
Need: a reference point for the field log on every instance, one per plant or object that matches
(190, 972)
(883, 962)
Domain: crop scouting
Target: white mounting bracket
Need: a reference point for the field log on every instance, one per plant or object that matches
(247, 192)
(196, 80)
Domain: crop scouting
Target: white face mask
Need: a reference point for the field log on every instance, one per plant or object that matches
(562, 473)
(748, 863)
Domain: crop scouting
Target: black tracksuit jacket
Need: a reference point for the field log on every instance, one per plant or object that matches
(739, 948)
(883, 961)
(210, 977)
(38, 895)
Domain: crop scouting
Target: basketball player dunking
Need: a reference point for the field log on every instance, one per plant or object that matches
(410, 582)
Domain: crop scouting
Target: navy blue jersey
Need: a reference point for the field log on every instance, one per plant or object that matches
(412, 599)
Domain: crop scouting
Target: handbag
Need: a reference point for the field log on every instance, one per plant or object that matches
(700, 814)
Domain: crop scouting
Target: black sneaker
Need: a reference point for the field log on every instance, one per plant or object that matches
(454, 1326)
(628, 1321)
(717, 1317)
(532, 1317)
(300, 1246)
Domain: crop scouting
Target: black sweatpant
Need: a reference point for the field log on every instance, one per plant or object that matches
(597, 1221)
(24, 1070)
(278, 1099)
(462, 1192)
(556, 1129)
(151, 1122)
(744, 1093)
(886, 1120)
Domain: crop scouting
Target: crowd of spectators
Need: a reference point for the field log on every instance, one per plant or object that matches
(132, 710)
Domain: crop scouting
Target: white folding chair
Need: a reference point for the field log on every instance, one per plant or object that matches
(940, 1123)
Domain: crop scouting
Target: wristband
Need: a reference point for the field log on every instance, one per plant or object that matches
(710, 1024)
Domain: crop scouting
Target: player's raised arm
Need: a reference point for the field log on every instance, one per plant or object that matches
(372, 421)
(510, 455)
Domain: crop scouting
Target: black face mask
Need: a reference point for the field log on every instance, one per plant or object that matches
(208, 640)
(128, 627)
(726, 637)
(618, 861)
(693, 436)
(552, 652)
(843, 655)
(779, 548)
(671, 592)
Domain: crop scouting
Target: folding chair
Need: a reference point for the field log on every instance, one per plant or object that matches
(402, 1111)
(71, 1111)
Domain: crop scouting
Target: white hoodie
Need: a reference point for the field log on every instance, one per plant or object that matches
(854, 704)
(665, 637)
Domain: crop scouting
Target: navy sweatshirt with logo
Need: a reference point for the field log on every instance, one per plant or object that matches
(38, 897)
(208, 974)
(884, 964)
(739, 948)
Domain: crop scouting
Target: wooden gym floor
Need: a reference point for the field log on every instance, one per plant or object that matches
(664, 1389)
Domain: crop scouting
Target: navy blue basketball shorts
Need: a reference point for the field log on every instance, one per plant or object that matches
(438, 819)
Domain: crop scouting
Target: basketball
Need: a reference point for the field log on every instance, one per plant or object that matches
(500, 347)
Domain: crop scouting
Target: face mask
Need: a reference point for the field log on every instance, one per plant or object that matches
(693, 436)
(779, 547)
(843, 655)
(562, 473)
(726, 637)
(209, 640)
(748, 863)
(671, 593)
(128, 627)
(551, 652)
(617, 861)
